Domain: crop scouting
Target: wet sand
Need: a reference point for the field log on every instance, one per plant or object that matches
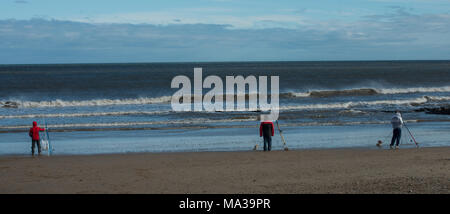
(425, 170)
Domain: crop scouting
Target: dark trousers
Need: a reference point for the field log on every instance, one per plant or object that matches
(396, 136)
(267, 143)
(33, 143)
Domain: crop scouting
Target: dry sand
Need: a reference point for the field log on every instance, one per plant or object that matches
(425, 170)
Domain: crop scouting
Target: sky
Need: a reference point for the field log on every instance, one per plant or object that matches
(104, 31)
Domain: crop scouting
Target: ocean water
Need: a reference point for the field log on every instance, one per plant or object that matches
(109, 108)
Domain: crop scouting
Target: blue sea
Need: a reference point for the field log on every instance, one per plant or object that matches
(119, 108)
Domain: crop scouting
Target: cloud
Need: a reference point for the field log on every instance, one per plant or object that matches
(397, 35)
(20, 2)
(235, 18)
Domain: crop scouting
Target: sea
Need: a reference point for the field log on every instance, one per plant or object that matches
(126, 108)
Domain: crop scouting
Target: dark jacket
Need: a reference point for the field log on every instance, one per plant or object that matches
(266, 129)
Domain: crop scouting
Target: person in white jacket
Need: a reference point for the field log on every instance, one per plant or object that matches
(397, 123)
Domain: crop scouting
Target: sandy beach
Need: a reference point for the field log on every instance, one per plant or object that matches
(425, 170)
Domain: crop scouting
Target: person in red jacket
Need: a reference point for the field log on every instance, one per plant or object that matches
(35, 139)
(266, 130)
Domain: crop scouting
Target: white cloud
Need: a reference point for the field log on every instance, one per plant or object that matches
(221, 16)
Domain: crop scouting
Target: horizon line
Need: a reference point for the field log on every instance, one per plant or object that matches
(231, 61)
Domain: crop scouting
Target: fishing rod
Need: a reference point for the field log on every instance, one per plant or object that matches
(282, 137)
(417, 144)
(50, 147)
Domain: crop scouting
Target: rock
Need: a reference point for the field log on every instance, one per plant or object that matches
(9, 104)
(439, 110)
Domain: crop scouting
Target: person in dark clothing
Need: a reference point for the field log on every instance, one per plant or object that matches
(266, 130)
(35, 139)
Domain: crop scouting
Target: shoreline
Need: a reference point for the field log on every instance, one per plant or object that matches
(275, 148)
(242, 139)
(355, 170)
(260, 149)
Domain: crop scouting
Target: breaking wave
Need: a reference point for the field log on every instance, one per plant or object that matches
(348, 105)
(331, 93)
(87, 114)
(167, 99)
(338, 105)
(436, 98)
(96, 102)
(124, 124)
(365, 92)
(414, 90)
(132, 125)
